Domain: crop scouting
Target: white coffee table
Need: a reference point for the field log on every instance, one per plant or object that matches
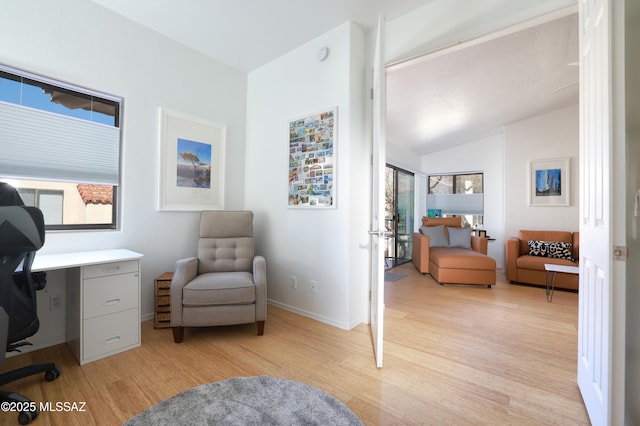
(551, 272)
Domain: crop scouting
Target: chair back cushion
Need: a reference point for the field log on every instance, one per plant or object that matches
(226, 242)
(21, 230)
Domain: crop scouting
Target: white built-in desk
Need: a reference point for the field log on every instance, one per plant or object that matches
(103, 300)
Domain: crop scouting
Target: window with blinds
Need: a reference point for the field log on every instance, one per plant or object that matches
(460, 194)
(61, 149)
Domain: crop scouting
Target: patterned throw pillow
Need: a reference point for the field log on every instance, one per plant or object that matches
(554, 249)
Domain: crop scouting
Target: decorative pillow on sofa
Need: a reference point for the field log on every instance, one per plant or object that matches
(437, 237)
(459, 237)
(554, 249)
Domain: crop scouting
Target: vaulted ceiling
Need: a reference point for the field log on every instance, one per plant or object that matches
(436, 102)
(246, 34)
(453, 98)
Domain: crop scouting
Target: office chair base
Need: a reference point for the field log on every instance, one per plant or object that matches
(49, 368)
(25, 416)
(51, 372)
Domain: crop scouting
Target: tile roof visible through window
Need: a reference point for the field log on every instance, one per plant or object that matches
(96, 194)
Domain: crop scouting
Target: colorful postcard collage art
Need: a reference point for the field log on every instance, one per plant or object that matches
(311, 160)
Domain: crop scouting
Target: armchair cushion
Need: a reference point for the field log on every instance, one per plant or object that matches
(222, 288)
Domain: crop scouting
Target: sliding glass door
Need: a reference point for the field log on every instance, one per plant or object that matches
(399, 209)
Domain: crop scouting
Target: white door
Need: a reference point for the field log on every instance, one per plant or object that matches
(598, 330)
(377, 230)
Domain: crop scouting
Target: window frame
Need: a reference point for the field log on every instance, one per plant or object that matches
(454, 184)
(96, 100)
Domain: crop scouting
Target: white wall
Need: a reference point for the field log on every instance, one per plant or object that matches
(402, 157)
(320, 245)
(547, 136)
(486, 156)
(79, 42)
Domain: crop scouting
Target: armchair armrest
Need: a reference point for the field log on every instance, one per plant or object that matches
(420, 252)
(511, 254)
(186, 270)
(479, 244)
(260, 279)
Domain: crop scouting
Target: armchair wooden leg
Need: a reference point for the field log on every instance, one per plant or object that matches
(260, 325)
(178, 334)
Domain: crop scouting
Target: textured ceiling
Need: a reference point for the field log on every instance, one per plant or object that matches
(435, 103)
(453, 98)
(246, 34)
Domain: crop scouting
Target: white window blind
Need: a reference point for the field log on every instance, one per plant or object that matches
(41, 145)
(461, 204)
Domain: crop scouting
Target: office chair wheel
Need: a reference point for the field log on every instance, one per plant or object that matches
(52, 374)
(26, 417)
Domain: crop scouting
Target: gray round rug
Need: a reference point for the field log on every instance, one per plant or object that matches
(260, 400)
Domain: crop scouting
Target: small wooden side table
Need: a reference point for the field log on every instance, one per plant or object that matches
(163, 300)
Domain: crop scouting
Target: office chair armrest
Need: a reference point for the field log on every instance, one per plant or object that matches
(186, 270)
(260, 279)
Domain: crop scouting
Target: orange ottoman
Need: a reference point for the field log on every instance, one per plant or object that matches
(461, 266)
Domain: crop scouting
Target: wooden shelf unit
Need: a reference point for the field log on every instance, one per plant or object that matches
(163, 300)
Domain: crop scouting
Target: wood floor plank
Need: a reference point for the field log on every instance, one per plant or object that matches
(462, 355)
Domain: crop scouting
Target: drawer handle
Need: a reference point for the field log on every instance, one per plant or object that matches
(111, 302)
(111, 268)
(112, 340)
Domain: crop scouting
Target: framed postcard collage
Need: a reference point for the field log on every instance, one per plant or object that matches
(312, 160)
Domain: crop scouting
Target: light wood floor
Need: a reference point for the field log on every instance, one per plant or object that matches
(454, 355)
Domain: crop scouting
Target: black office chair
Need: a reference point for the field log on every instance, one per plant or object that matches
(21, 234)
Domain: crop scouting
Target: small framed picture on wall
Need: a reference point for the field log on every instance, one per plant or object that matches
(549, 182)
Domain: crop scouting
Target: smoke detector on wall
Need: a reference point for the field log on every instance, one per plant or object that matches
(323, 53)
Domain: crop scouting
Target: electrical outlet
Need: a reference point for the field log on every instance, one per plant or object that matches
(294, 281)
(314, 286)
(55, 302)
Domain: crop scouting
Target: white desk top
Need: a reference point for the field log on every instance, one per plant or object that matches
(48, 262)
(561, 268)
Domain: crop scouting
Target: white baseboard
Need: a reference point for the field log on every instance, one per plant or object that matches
(308, 314)
(147, 317)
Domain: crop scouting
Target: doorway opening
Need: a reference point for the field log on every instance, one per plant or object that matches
(399, 213)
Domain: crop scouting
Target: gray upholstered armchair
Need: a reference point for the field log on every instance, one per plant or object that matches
(226, 284)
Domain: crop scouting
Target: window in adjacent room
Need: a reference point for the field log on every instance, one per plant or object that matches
(61, 149)
(459, 194)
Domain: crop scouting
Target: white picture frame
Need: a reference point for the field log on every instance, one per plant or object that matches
(549, 183)
(191, 169)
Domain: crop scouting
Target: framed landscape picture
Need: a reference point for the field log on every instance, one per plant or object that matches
(312, 160)
(549, 182)
(191, 163)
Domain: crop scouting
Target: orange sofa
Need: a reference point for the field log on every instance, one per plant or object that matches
(454, 265)
(526, 269)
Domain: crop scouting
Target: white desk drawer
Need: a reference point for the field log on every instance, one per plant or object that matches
(104, 269)
(110, 333)
(106, 295)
